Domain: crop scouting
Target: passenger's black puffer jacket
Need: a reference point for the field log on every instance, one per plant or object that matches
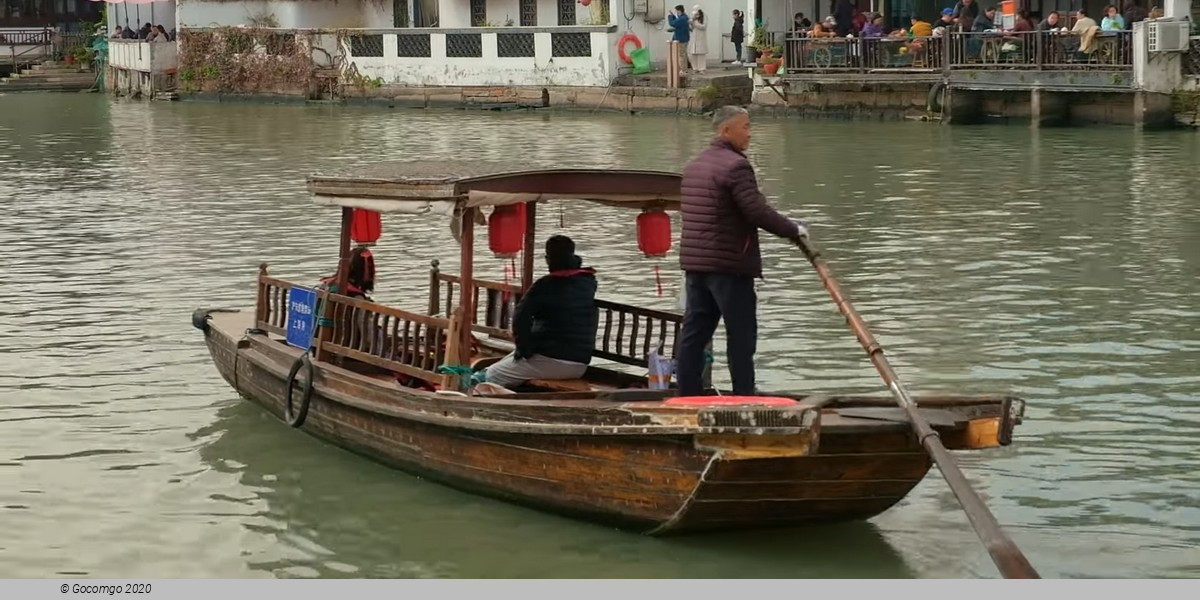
(557, 316)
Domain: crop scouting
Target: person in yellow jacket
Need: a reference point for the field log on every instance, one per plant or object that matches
(920, 28)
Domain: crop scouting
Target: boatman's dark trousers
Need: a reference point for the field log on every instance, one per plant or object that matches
(711, 297)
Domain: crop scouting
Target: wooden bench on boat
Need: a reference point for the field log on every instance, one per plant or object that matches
(625, 333)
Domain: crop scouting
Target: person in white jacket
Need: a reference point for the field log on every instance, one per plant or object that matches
(697, 46)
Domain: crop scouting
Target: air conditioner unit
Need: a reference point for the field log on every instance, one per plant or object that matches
(656, 11)
(1167, 36)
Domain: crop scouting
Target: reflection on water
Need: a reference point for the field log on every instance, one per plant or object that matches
(985, 259)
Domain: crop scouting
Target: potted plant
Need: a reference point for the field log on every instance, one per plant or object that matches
(81, 55)
(758, 42)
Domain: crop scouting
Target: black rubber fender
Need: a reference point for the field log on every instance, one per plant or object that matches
(200, 318)
(933, 102)
(297, 418)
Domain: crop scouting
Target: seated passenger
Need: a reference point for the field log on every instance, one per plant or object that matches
(554, 325)
(361, 280)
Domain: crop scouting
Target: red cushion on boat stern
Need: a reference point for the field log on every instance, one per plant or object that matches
(728, 401)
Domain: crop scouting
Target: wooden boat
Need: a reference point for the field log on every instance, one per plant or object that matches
(602, 448)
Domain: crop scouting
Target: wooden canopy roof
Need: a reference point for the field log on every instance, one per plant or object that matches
(439, 187)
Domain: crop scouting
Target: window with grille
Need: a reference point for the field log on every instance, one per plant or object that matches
(514, 45)
(566, 12)
(413, 45)
(366, 45)
(529, 13)
(478, 13)
(464, 45)
(570, 44)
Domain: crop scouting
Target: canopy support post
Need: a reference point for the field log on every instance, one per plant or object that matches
(343, 279)
(466, 299)
(530, 246)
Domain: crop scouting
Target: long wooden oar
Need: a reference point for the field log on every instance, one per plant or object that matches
(1008, 558)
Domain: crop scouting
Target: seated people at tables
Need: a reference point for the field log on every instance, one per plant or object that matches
(554, 325)
(800, 23)
(822, 30)
(920, 27)
(986, 21)
(1052, 22)
(1112, 20)
(946, 20)
(874, 29)
(1024, 22)
(1082, 22)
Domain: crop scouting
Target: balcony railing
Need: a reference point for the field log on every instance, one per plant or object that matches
(807, 54)
(19, 46)
(1108, 50)
(1035, 50)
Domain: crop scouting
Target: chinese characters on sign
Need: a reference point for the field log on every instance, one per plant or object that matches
(302, 316)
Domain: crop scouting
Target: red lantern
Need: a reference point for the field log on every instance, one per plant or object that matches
(654, 238)
(366, 226)
(585, 2)
(654, 233)
(506, 230)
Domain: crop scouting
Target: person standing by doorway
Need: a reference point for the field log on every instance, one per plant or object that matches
(723, 210)
(681, 32)
(737, 35)
(698, 43)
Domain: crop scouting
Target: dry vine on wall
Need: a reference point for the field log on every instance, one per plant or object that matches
(244, 60)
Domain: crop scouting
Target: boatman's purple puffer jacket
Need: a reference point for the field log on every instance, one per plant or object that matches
(722, 211)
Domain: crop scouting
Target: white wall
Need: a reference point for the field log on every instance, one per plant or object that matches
(454, 13)
(288, 13)
(1154, 72)
(541, 69)
(378, 16)
(148, 57)
(500, 10)
(719, 15)
(198, 13)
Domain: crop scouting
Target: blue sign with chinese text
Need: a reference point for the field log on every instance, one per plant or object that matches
(302, 316)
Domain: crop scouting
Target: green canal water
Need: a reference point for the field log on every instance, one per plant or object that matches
(1057, 265)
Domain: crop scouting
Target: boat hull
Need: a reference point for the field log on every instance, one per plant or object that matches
(655, 484)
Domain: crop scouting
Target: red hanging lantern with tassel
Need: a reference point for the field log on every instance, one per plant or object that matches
(506, 230)
(654, 233)
(366, 226)
(654, 238)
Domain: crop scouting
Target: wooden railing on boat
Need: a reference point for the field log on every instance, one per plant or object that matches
(270, 312)
(385, 337)
(625, 333)
(381, 336)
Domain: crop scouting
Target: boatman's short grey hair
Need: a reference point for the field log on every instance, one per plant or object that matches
(725, 113)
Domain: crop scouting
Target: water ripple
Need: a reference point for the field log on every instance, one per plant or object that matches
(985, 260)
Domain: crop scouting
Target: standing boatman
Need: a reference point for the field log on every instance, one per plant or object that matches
(723, 210)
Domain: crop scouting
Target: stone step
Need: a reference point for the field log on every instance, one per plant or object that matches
(82, 78)
(35, 69)
(43, 87)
